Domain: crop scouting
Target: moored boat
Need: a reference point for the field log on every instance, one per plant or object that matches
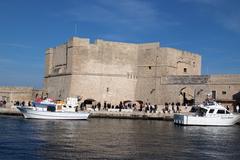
(208, 114)
(38, 114)
(52, 111)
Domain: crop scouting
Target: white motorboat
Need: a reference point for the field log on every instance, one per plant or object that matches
(52, 112)
(208, 114)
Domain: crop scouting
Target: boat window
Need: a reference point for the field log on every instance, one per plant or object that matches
(193, 109)
(220, 111)
(208, 103)
(211, 111)
(51, 108)
(202, 111)
(59, 107)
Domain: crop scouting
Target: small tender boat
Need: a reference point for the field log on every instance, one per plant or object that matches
(208, 114)
(52, 111)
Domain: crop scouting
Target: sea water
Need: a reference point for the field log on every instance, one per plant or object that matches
(114, 139)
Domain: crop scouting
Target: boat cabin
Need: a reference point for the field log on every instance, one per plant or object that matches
(210, 109)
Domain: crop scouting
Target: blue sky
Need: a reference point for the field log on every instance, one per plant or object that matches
(210, 28)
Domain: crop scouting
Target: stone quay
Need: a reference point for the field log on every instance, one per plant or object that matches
(111, 113)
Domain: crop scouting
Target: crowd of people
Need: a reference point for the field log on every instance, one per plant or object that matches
(147, 107)
(172, 107)
(3, 103)
(23, 103)
(136, 106)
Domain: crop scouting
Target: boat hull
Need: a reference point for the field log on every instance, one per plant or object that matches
(227, 120)
(30, 113)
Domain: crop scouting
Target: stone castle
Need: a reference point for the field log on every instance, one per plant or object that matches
(116, 71)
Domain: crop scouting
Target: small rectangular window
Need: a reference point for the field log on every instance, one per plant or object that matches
(185, 70)
(224, 92)
(214, 94)
(149, 67)
(221, 111)
(211, 111)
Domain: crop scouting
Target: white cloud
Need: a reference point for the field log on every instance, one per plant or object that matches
(205, 2)
(132, 14)
(230, 21)
(223, 12)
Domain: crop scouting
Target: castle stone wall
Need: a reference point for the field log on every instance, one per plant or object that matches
(177, 60)
(58, 87)
(226, 87)
(12, 94)
(116, 71)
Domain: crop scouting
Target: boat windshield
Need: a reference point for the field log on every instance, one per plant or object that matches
(208, 103)
(194, 109)
(201, 112)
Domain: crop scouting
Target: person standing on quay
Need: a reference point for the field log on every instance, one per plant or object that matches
(99, 106)
(237, 109)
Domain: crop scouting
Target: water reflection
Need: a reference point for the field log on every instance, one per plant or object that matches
(115, 139)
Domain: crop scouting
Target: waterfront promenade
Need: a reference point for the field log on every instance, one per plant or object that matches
(124, 114)
(132, 115)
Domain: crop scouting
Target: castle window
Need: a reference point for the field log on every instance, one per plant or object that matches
(224, 92)
(185, 70)
(149, 67)
(214, 94)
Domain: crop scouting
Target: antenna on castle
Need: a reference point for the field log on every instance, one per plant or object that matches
(75, 30)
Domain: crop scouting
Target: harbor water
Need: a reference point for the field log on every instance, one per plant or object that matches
(114, 139)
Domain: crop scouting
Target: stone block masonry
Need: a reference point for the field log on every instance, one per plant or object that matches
(116, 71)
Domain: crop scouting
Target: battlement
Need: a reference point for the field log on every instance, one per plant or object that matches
(8, 88)
(224, 79)
(76, 42)
(179, 51)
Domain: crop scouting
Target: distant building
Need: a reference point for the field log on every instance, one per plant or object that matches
(116, 71)
(13, 94)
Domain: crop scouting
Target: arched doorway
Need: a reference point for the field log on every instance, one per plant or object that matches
(187, 96)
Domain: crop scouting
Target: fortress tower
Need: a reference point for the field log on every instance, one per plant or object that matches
(114, 71)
